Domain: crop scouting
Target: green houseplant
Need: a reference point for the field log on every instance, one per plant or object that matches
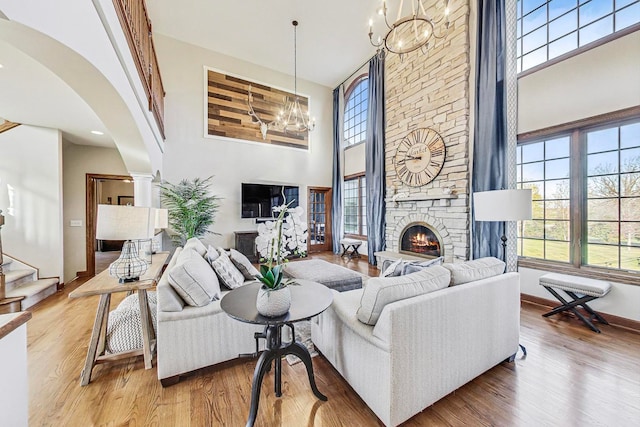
(191, 208)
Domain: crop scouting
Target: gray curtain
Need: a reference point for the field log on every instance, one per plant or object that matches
(374, 158)
(490, 137)
(337, 179)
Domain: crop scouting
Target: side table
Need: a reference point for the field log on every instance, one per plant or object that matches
(105, 285)
(308, 299)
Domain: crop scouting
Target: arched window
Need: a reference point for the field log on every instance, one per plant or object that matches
(355, 112)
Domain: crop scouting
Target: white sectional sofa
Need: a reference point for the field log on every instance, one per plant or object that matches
(190, 337)
(422, 347)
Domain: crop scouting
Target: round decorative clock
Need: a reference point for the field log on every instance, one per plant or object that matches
(419, 157)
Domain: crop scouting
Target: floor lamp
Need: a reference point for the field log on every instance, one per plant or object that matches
(502, 205)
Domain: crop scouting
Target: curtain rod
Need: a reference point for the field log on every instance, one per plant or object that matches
(355, 71)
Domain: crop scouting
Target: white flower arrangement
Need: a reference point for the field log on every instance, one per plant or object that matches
(285, 236)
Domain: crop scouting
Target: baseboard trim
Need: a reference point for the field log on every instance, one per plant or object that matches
(622, 322)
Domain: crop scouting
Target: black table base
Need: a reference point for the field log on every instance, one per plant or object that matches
(274, 352)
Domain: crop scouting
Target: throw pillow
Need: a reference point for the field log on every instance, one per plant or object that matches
(414, 266)
(195, 243)
(477, 269)
(194, 280)
(229, 275)
(212, 254)
(381, 291)
(124, 331)
(243, 264)
(391, 268)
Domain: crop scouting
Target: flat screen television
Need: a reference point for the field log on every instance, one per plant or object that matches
(258, 200)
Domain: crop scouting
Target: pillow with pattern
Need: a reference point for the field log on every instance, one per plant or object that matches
(229, 275)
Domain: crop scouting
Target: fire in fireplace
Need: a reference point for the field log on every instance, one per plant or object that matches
(420, 239)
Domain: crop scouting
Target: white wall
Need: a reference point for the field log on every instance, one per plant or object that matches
(31, 197)
(79, 160)
(601, 80)
(188, 154)
(598, 81)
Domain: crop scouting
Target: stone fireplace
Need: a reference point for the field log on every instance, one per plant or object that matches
(420, 239)
(433, 92)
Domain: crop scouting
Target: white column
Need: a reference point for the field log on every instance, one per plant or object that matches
(142, 191)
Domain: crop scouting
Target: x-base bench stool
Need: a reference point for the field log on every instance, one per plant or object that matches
(352, 244)
(581, 290)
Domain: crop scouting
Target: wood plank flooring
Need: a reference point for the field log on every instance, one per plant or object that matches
(571, 377)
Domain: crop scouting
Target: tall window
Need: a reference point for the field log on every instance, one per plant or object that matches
(589, 217)
(355, 206)
(549, 28)
(355, 113)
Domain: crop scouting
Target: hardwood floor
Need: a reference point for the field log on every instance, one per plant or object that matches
(571, 376)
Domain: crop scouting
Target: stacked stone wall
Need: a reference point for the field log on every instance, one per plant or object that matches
(432, 91)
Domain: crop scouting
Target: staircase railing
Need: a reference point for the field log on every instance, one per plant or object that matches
(137, 28)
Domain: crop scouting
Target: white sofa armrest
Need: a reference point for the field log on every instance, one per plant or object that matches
(444, 339)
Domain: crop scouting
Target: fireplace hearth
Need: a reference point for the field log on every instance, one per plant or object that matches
(420, 239)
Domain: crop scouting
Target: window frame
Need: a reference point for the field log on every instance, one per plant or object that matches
(577, 131)
(347, 94)
(579, 49)
(359, 177)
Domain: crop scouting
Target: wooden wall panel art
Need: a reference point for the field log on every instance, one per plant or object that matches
(227, 110)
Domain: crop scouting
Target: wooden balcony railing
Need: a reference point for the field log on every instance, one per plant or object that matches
(137, 28)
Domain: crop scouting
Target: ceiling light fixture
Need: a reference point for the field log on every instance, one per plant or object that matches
(97, 132)
(410, 32)
(292, 118)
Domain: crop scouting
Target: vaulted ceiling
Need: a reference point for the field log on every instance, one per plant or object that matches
(332, 34)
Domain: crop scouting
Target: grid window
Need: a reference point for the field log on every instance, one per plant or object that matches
(593, 217)
(548, 29)
(544, 167)
(355, 206)
(355, 113)
(613, 197)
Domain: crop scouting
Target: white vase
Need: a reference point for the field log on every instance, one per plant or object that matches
(272, 303)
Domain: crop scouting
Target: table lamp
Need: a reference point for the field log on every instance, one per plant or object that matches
(502, 205)
(127, 223)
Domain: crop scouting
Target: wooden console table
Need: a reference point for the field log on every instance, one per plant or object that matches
(105, 285)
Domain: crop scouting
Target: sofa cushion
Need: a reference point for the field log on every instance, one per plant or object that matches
(391, 268)
(168, 299)
(229, 275)
(381, 291)
(194, 280)
(477, 269)
(414, 266)
(243, 264)
(195, 243)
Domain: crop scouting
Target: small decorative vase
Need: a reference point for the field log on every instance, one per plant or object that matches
(272, 303)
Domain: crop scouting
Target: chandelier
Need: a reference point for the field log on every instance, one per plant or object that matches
(410, 32)
(291, 118)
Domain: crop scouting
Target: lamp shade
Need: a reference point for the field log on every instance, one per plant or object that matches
(502, 205)
(161, 218)
(116, 222)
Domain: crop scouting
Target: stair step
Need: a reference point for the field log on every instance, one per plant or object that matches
(16, 278)
(34, 292)
(6, 261)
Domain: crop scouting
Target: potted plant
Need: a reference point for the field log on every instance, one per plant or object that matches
(191, 208)
(276, 240)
